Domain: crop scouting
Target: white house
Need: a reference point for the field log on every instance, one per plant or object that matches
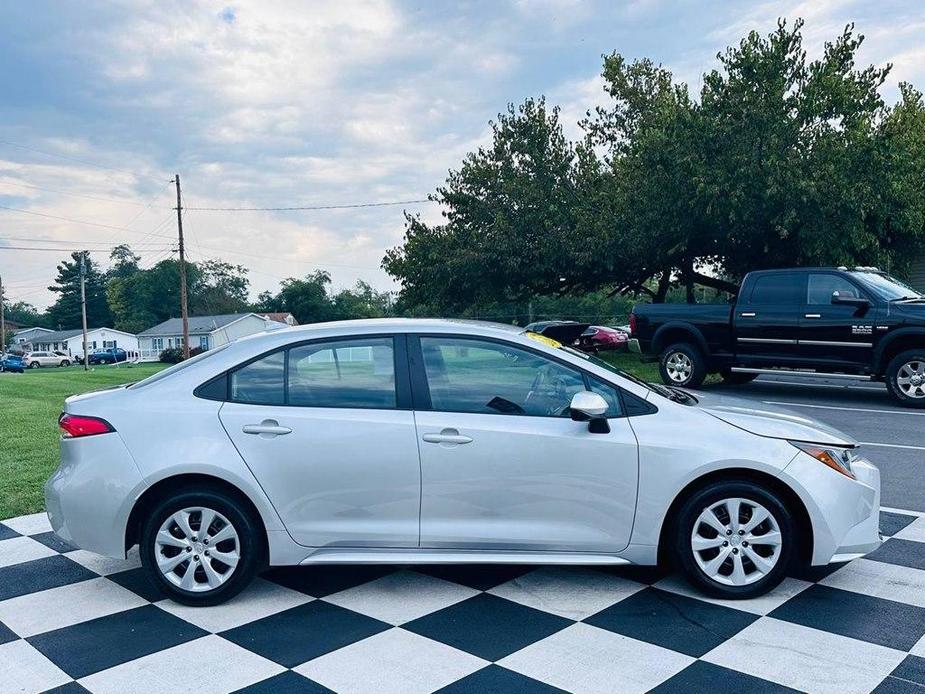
(205, 332)
(71, 341)
(27, 336)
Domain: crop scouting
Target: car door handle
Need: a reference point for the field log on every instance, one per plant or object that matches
(268, 428)
(813, 315)
(748, 314)
(447, 436)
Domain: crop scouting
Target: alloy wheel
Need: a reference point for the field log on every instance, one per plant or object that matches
(911, 379)
(679, 367)
(736, 541)
(197, 549)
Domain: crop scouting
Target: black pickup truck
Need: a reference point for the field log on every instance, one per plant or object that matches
(832, 322)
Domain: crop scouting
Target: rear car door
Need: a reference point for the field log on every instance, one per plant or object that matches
(836, 333)
(767, 320)
(502, 464)
(327, 429)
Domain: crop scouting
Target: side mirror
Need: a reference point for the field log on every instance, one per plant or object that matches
(592, 408)
(846, 300)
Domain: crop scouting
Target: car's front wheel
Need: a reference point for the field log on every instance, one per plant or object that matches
(905, 378)
(65, 362)
(201, 547)
(34, 365)
(735, 539)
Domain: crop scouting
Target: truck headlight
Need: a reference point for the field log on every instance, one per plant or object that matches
(837, 458)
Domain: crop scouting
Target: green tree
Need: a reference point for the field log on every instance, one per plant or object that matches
(307, 298)
(65, 313)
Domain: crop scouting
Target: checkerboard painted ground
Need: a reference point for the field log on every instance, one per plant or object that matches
(71, 621)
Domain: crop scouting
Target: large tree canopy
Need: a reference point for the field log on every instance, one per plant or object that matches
(781, 161)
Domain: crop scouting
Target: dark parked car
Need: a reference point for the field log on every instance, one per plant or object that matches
(107, 356)
(13, 362)
(833, 322)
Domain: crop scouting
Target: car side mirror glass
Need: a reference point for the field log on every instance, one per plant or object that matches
(592, 408)
(847, 300)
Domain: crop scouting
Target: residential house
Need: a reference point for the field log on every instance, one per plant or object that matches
(286, 318)
(70, 342)
(205, 332)
(24, 338)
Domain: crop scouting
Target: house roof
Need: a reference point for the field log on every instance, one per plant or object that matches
(26, 330)
(57, 336)
(198, 325)
(283, 317)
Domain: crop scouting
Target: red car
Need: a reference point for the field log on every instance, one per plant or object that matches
(599, 338)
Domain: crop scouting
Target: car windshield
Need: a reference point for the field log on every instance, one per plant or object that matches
(177, 368)
(886, 287)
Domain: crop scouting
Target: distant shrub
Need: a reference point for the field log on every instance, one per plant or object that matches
(174, 355)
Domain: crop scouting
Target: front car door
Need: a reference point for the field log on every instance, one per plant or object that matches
(768, 319)
(836, 333)
(502, 465)
(327, 429)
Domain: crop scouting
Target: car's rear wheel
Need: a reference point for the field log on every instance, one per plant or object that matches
(682, 364)
(735, 539)
(736, 378)
(201, 547)
(34, 365)
(905, 378)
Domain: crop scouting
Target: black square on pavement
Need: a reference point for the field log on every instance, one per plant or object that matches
(321, 581)
(702, 676)
(137, 581)
(288, 682)
(52, 541)
(7, 533)
(102, 643)
(6, 634)
(683, 624)
(863, 617)
(477, 576)
(41, 574)
(488, 626)
(498, 680)
(302, 633)
(901, 552)
(892, 523)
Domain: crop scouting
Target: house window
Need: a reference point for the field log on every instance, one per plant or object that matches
(107, 344)
(203, 342)
(157, 343)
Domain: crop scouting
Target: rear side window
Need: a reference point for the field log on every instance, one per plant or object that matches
(355, 373)
(261, 382)
(787, 289)
(822, 285)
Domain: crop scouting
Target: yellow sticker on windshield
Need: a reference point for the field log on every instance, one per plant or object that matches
(548, 341)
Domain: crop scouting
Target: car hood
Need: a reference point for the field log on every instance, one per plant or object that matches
(769, 421)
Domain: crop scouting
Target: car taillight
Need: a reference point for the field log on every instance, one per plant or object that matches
(632, 323)
(75, 426)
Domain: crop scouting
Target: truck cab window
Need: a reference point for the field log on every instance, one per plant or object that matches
(779, 289)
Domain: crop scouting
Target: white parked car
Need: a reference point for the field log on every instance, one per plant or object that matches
(36, 359)
(429, 441)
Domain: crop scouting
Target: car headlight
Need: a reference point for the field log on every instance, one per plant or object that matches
(837, 458)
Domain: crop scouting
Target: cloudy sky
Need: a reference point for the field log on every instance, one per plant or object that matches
(276, 103)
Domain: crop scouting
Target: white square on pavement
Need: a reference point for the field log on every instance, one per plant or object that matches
(761, 605)
(570, 592)
(794, 655)
(210, 665)
(882, 580)
(401, 596)
(915, 531)
(34, 524)
(394, 661)
(17, 550)
(24, 669)
(37, 613)
(104, 566)
(258, 600)
(919, 648)
(586, 660)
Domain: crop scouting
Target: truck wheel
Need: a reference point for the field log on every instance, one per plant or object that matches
(682, 364)
(735, 378)
(905, 378)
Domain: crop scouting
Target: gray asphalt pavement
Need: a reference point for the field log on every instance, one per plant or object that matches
(893, 437)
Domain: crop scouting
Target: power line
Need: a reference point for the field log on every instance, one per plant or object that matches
(59, 250)
(73, 221)
(68, 158)
(309, 207)
(76, 195)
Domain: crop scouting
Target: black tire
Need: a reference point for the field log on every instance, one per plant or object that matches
(735, 378)
(684, 525)
(252, 544)
(34, 365)
(65, 362)
(697, 363)
(909, 357)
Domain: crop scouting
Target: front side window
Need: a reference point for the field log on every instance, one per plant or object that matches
(261, 382)
(784, 289)
(821, 286)
(344, 373)
(465, 375)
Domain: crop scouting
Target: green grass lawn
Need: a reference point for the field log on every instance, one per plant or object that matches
(29, 407)
(30, 404)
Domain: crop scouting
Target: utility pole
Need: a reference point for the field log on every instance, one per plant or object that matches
(184, 309)
(2, 320)
(83, 305)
